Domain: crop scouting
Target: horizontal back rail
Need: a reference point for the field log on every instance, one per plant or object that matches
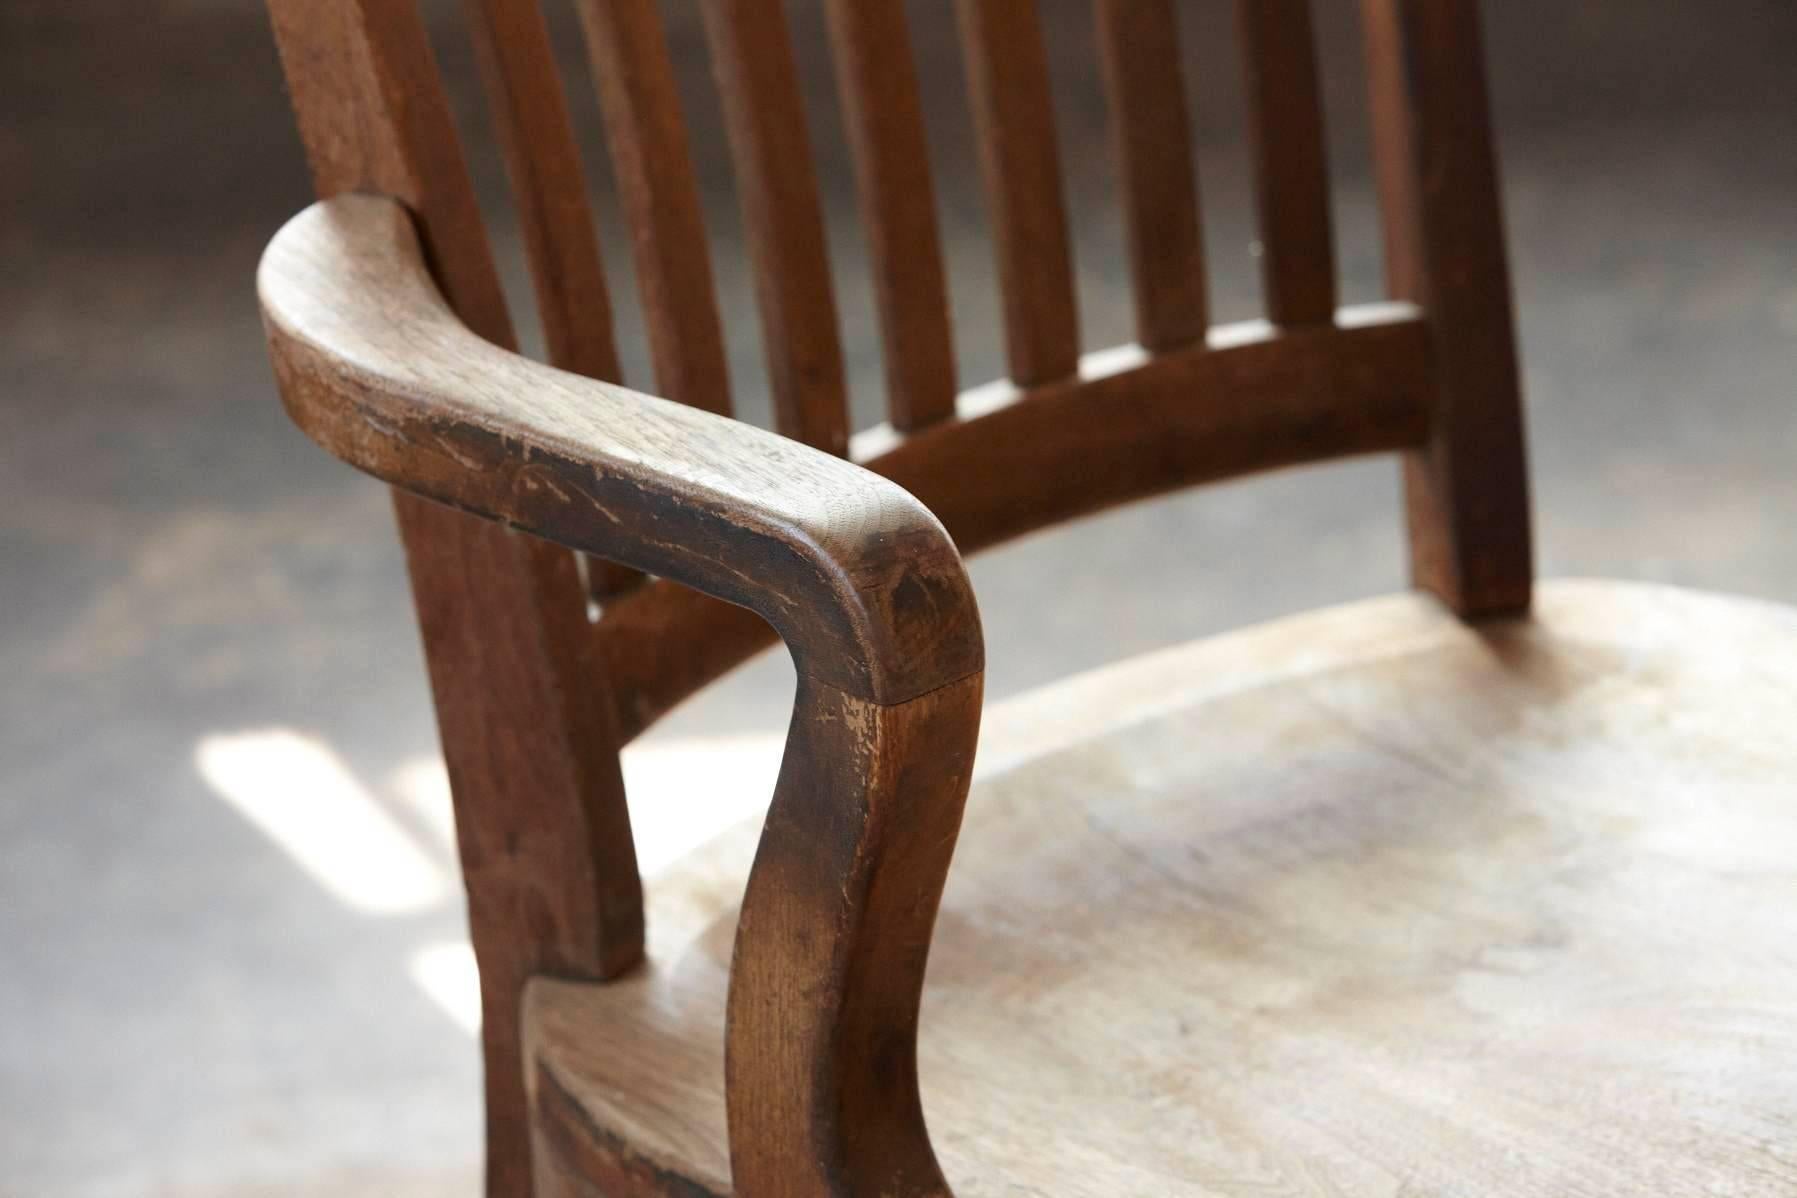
(1253, 398)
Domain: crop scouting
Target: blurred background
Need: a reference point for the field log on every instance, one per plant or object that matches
(231, 940)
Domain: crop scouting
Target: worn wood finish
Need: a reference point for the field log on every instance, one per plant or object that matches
(857, 576)
(821, 1030)
(1407, 766)
(1360, 900)
(1013, 112)
(1467, 491)
(1138, 42)
(877, 80)
(862, 583)
(1291, 164)
(525, 727)
(530, 112)
(1253, 398)
(531, 746)
(751, 55)
(646, 133)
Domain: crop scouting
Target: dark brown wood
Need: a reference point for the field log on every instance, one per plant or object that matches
(574, 1159)
(540, 819)
(1138, 42)
(531, 116)
(877, 79)
(646, 132)
(1291, 164)
(541, 827)
(1019, 461)
(821, 1056)
(393, 350)
(1013, 113)
(751, 55)
(530, 112)
(862, 583)
(857, 577)
(1466, 490)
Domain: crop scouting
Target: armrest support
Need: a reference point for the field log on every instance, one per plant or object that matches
(858, 578)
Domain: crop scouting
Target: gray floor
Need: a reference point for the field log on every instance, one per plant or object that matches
(184, 1010)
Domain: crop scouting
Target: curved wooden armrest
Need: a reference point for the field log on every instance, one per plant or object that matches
(858, 578)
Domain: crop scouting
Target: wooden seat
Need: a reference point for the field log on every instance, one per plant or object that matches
(1362, 902)
(1381, 901)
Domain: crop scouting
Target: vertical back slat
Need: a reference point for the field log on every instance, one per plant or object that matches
(527, 730)
(1285, 120)
(764, 115)
(543, 161)
(530, 113)
(1138, 42)
(646, 133)
(877, 79)
(1013, 111)
(1466, 490)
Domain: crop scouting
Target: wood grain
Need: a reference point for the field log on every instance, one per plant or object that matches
(526, 729)
(856, 576)
(828, 967)
(1291, 164)
(860, 580)
(1467, 490)
(1253, 398)
(1013, 112)
(646, 133)
(877, 79)
(1138, 42)
(1361, 896)
(530, 114)
(1316, 836)
(751, 55)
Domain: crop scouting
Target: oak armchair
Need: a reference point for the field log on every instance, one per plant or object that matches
(1331, 900)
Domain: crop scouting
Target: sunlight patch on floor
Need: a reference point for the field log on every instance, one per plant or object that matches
(447, 975)
(300, 794)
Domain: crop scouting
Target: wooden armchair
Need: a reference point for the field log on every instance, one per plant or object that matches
(1466, 892)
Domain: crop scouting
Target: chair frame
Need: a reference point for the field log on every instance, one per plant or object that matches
(394, 350)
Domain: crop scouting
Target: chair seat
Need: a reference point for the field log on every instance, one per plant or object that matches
(1363, 902)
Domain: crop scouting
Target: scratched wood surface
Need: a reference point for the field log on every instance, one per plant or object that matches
(525, 723)
(1362, 902)
(392, 347)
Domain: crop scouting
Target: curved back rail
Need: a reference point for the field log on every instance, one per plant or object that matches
(534, 699)
(1129, 425)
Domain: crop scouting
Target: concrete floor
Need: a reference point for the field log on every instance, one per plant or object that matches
(205, 617)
